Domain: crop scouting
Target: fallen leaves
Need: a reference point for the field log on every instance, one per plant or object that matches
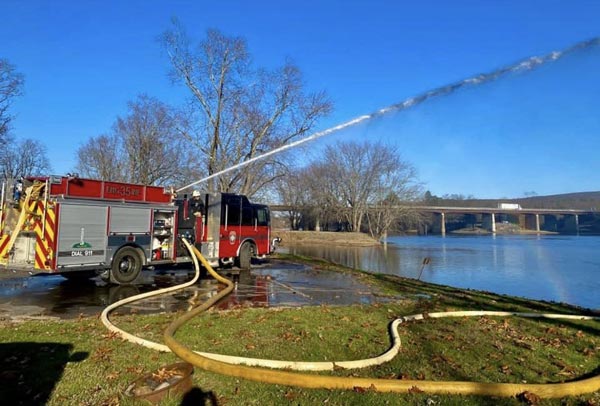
(111, 335)
(415, 389)
(589, 351)
(289, 336)
(111, 401)
(565, 370)
(134, 370)
(354, 338)
(290, 395)
(261, 318)
(216, 342)
(102, 354)
(325, 309)
(530, 398)
(361, 389)
(164, 374)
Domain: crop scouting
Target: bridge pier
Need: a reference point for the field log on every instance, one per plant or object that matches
(522, 218)
(440, 223)
(489, 222)
(443, 223)
(572, 224)
(530, 222)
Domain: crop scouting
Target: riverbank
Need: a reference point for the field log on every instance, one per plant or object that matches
(295, 238)
(290, 238)
(77, 362)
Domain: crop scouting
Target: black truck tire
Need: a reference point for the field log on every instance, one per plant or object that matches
(126, 266)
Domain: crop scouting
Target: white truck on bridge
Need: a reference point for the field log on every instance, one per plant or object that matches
(509, 206)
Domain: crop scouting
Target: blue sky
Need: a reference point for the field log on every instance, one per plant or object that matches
(83, 60)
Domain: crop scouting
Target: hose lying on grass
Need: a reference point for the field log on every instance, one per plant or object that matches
(232, 366)
(279, 364)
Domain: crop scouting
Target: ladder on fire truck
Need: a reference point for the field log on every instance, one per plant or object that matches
(24, 213)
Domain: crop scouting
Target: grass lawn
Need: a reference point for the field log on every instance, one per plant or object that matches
(78, 362)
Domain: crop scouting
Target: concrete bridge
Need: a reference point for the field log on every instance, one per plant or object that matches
(537, 220)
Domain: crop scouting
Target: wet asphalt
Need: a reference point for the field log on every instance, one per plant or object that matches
(270, 284)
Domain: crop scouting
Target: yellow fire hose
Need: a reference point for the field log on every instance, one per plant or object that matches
(229, 365)
(279, 364)
(31, 193)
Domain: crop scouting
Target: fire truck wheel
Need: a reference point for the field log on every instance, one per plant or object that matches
(126, 266)
(245, 258)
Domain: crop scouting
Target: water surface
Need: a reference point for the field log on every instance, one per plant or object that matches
(556, 268)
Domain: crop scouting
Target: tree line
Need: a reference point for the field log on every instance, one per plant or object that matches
(350, 186)
(234, 111)
(17, 157)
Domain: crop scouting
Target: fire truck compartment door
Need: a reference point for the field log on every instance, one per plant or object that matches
(82, 234)
(210, 248)
(129, 220)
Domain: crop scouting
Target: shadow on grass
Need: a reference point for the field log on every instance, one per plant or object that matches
(196, 397)
(29, 371)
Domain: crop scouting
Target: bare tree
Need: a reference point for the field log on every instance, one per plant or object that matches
(24, 158)
(360, 178)
(391, 213)
(152, 149)
(100, 158)
(17, 158)
(238, 112)
(302, 190)
(290, 191)
(11, 86)
(322, 187)
(142, 148)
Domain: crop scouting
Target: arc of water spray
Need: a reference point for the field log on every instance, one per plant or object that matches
(527, 64)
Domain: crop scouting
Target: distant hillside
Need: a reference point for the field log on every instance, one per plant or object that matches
(581, 200)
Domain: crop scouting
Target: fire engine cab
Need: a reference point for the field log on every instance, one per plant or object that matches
(79, 227)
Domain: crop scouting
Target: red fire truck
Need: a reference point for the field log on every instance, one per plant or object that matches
(78, 227)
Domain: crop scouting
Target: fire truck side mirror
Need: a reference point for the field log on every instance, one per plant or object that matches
(275, 243)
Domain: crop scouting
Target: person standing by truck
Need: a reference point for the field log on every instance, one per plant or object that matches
(196, 204)
(17, 191)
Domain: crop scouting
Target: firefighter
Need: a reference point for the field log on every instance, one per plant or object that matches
(196, 204)
(196, 207)
(17, 191)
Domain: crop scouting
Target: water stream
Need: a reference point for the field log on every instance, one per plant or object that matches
(524, 65)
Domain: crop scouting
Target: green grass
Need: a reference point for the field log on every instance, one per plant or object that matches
(78, 362)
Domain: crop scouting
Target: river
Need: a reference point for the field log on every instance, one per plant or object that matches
(554, 268)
